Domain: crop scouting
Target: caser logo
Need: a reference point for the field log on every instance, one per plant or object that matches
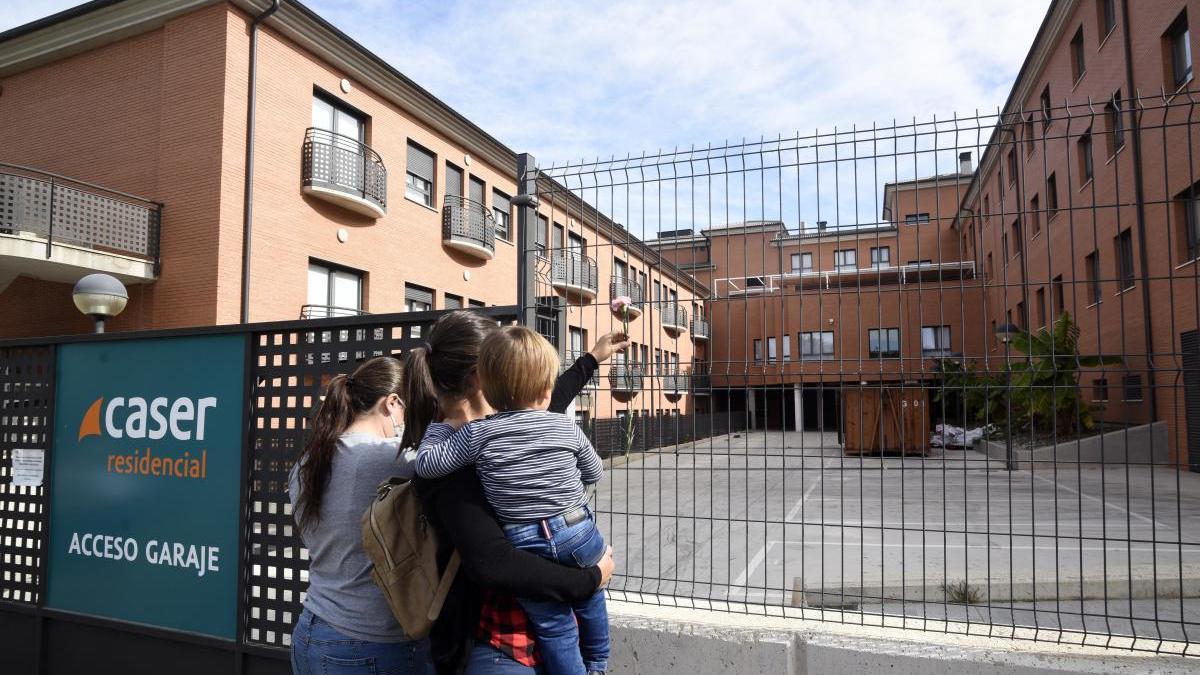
(138, 418)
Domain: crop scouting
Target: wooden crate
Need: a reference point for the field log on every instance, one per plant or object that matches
(891, 420)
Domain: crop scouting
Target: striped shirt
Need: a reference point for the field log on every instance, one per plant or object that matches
(532, 463)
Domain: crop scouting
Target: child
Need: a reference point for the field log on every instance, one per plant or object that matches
(533, 465)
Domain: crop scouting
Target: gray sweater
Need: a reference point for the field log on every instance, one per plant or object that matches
(340, 589)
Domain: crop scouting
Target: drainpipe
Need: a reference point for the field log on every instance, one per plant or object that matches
(1140, 195)
(248, 205)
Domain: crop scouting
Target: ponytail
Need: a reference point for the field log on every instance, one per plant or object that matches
(438, 369)
(346, 397)
(420, 399)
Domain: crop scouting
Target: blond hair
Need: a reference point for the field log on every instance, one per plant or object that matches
(516, 368)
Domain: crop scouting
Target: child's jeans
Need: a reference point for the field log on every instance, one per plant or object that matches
(570, 539)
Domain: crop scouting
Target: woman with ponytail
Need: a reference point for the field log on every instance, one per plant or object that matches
(481, 626)
(353, 446)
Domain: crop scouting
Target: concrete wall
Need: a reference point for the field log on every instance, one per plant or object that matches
(652, 639)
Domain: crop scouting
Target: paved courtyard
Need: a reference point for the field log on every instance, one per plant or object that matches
(784, 519)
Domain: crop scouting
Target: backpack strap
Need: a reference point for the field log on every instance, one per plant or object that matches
(443, 589)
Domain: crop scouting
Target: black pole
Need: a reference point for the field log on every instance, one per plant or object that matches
(248, 204)
(526, 238)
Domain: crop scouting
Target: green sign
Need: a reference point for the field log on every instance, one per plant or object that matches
(145, 479)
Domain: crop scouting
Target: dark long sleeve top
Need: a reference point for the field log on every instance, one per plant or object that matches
(458, 509)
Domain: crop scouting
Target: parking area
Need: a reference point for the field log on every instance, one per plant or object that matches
(784, 519)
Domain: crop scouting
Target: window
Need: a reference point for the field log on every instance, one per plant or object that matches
(1116, 124)
(992, 335)
(657, 292)
(452, 302)
(418, 181)
(1040, 305)
(1051, 196)
(1059, 296)
(787, 347)
(987, 207)
(1029, 141)
(642, 285)
(1016, 237)
(1004, 247)
(1100, 389)
(1084, 152)
(989, 264)
(1011, 165)
(1190, 222)
(337, 117)
(1131, 386)
(539, 236)
(1078, 65)
(1091, 265)
(577, 244)
(919, 263)
(658, 360)
(502, 211)
(757, 350)
(881, 256)
(556, 237)
(916, 219)
(1124, 244)
(417, 298)
(883, 343)
(771, 353)
(845, 259)
(620, 269)
(477, 191)
(576, 343)
(454, 181)
(1178, 48)
(1107, 16)
(1045, 101)
(1035, 214)
(816, 344)
(1022, 316)
(476, 304)
(801, 262)
(935, 339)
(333, 290)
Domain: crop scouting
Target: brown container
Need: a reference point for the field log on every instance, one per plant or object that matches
(889, 420)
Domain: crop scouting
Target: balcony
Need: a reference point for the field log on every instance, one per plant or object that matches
(675, 384)
(673, 317)
(848, 277)
(629, 288)
(701, 330)
(625, 381)
(328, 312)
(341, 170)
(700, 381)
(469, 227)
(574, 275)
(58, 229)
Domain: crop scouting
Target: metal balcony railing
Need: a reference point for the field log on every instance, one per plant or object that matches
(700, 380)
(469, 227)
(674, 317)
(328, 311)
(625, 377)
(675, 382)
(620, 286)
(343, 170)
(574, 274)
(68, 211)
(701, 330)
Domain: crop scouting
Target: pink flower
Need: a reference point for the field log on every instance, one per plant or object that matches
(620, 306)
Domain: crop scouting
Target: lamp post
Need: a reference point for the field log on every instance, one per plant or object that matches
(1005, 334)
(100, 296)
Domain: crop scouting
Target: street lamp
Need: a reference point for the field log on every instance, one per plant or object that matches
(1005, 334)
(100, 296)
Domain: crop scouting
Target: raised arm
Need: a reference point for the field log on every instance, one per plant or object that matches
(591, 469)
(491, 560)
(444, 451)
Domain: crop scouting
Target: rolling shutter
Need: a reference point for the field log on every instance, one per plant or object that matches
(420, 162)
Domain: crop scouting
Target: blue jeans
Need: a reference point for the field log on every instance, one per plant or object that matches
(566, 648)
(487, 660)
(319, 649)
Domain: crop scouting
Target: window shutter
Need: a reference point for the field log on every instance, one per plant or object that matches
(453, 302)
(454, 177)
(418, 294)
(476, 190)
(500, 202)
(420, 162)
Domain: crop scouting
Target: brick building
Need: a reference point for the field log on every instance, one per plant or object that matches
(123, 138)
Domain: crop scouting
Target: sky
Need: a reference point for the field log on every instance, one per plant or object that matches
(569, 81)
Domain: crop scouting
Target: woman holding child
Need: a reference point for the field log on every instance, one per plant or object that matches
(346, 625)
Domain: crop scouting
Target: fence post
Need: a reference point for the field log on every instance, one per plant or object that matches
(526, 201)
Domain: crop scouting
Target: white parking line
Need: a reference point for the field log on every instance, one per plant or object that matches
(757, 559)
(1102, 502)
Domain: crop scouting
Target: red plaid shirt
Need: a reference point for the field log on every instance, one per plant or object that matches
(503, 625)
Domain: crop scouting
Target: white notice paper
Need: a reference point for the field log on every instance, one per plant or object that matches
(27, 466)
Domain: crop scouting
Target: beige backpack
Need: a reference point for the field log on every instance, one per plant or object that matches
(403, 548)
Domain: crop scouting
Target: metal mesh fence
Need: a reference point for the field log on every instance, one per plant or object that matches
(953, 362)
